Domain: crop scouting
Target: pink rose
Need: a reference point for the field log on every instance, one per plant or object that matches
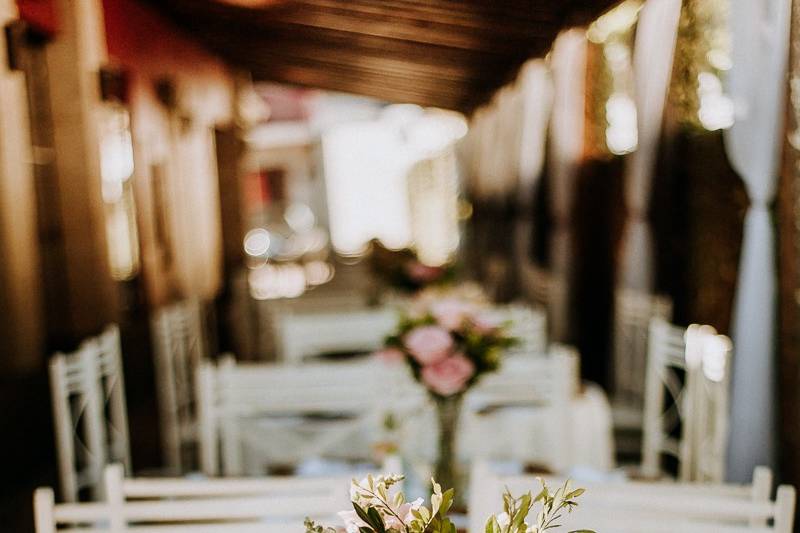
(451, 313)
(448, 376)
(422, 273)
(485, 323)
(390, 354)
(428, 344)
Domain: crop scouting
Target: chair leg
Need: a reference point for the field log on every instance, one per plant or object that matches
(43, 510)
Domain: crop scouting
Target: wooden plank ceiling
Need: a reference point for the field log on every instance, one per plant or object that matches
(445, 53)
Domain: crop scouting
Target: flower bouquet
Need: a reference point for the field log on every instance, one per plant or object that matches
(448, 345)
(403, 271)
(377, 508)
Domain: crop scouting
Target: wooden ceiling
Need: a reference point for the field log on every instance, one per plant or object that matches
(445, 53)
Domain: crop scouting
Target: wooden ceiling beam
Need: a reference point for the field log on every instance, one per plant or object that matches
(392, 48)
(364, 84)
(444, 53)
(306, 18)
(358, 57)
(404, 10)
(348, 72)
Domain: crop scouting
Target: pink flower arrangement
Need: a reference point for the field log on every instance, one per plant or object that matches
(448, 376)
(448, 345)
(428, 344)
(452, 313)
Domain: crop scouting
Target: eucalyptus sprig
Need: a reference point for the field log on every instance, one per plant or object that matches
(377, 510)
(516, 511)
(313, 527)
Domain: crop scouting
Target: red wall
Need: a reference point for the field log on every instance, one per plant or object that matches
(148, 45)
(41, 14)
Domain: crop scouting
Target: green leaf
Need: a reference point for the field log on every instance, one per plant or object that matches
(362, 514)
(447, 502)
(375, 520)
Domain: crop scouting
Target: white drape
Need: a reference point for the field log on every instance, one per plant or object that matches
(486, 169)
(654, 48)
(535, 92)
(497, 175)
(760, 37)
(568, 65)
(509, 106)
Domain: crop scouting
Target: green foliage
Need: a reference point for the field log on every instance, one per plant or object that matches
(312, 527)
(378, 511)
(517, 510)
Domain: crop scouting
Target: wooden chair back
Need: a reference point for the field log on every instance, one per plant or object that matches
(180, 344)
(229, 392)
(89, 412)
(687, 401)
(175, 505)
(305, 335)
(663, 507)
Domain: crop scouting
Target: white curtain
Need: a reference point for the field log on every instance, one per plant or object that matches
(656, 33)
(535, 91)
(568, 65)
(535, 94)
(486, 163)
(499, 154)
(760, 37)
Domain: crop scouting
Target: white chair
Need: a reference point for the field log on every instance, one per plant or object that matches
(348, 399)
(89, 412)
(636, 507)
(169, 505)
(180, 344)
(544, 386)
(686, 405)
(305, 335)
(633, 312)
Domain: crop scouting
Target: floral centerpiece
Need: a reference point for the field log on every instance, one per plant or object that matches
(448, 344)
(403, 271)
(379, 508)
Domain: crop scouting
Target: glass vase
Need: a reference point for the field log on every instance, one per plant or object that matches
(446, 471)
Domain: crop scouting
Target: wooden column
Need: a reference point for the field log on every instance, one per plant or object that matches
(788, 217)
(231, 211)
(73, 60)
(20, 299)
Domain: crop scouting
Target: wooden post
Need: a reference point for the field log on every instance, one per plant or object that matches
(20, 298)
(788, 221)
(74, 59)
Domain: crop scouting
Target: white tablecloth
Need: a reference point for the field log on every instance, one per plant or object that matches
(510, 433)
(520, 433)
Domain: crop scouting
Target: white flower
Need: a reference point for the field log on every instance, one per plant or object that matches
(351, 521)
(503, 520)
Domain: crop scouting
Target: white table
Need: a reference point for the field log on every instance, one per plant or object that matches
(512, 433)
